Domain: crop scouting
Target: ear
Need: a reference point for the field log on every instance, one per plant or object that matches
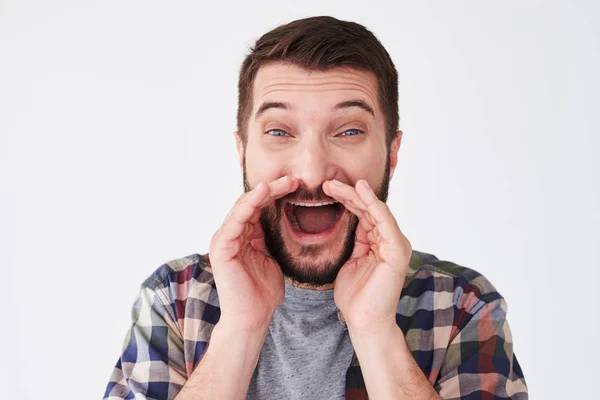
(240, 148)
(394, 148)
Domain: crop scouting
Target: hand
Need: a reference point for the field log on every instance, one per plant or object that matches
(249, 282)
(367, 288)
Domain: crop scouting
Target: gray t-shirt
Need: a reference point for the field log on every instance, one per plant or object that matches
(307, 350)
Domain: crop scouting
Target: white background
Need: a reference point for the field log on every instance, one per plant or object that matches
(117, 154)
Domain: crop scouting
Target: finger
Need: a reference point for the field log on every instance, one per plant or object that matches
(251, 202)
(380, 213)
(246, 211)
(242, 211)
(259, 245)
(257, 240)
(246, 204)
(347, 195)
(361, 243)
(257, 231)
(279, 188)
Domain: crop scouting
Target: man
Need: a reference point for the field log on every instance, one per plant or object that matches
(310, 290)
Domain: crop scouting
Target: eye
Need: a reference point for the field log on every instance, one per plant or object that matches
(351, 132)
(276, 132)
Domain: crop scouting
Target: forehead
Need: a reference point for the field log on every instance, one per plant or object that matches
(288, 82)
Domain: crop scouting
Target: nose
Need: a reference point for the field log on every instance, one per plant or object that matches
(313, 164)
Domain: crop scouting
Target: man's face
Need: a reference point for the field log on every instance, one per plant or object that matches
(311, 126)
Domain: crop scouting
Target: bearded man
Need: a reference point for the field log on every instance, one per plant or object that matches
(310, 290)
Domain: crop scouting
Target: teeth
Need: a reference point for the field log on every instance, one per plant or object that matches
(297, 203)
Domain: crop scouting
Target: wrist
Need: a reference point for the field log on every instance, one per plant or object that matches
(238, 342)
(227, 365)
(385, 348)
(388, 366)
(375, 338)
(232, 325)
(372, 331)
(231, 350)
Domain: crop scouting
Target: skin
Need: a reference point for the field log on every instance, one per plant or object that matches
(368, 285)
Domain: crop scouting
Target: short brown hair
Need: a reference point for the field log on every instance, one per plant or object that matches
(321, 43)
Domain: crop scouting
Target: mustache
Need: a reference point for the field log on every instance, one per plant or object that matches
(308, 195)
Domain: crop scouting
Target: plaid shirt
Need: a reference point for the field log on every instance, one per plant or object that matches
(453, 319)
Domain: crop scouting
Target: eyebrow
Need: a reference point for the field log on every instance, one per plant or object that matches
(271, 104)
(340, 106)
(354, 103)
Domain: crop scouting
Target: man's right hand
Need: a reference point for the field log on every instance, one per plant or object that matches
(249, 281)
(250, 287)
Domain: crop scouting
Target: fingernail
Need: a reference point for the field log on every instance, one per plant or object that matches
(283, 178)
(260, 184)
(336, 182)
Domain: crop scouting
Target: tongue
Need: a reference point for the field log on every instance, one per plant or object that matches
(315, 219)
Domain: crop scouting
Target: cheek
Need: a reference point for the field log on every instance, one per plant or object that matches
(262, 167)
(368, 165)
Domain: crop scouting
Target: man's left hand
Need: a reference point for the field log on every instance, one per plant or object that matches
(367, 288)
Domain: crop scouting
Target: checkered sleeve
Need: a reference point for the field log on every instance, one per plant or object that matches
(479, 362)
(152, 364)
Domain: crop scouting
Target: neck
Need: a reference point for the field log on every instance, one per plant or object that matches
(308, 286)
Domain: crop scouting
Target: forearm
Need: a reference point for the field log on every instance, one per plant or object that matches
(388, 367)
(227, 367)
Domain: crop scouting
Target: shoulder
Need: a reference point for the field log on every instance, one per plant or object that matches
(181, 271)
(425, 267)
(186, 286)
(176, 310)
(454, 321)
(432, 284)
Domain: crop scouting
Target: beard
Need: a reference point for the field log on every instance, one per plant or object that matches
(311, 274)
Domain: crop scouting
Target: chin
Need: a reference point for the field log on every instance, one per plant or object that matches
(314, 274)
(312, 259)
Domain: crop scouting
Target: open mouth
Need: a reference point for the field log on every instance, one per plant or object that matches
(313, 218)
